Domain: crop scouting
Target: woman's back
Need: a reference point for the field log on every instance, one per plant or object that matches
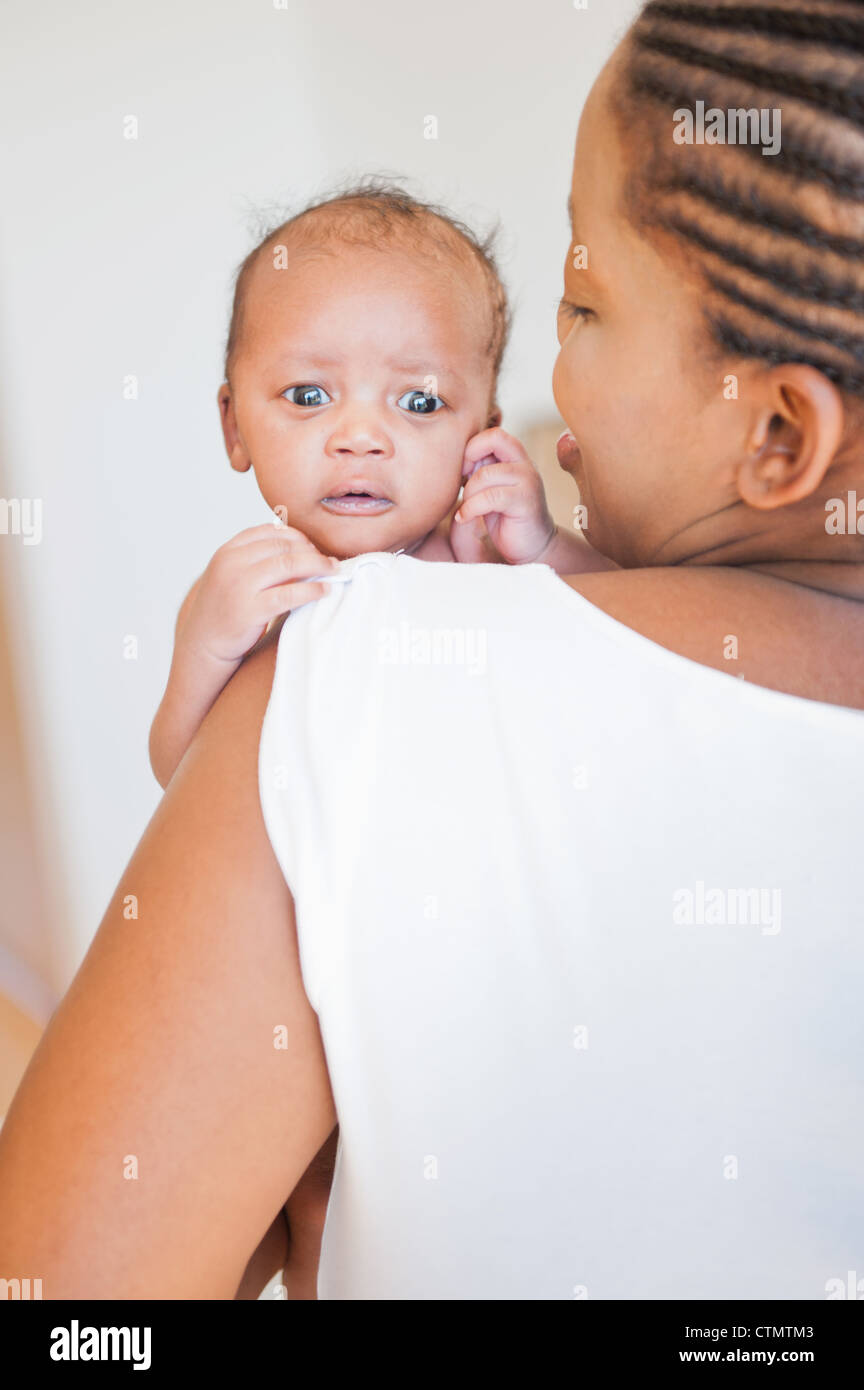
(592, 1025)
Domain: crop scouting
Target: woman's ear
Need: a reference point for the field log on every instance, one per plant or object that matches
(234, 446)
(797, 431)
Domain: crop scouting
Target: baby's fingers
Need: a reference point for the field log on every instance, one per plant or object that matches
(284, 598)
(492, 475)
(497, 443)
(288, 564)
(505, 498)
(279, 554)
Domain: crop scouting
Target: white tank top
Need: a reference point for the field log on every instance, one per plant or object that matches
(581, 920)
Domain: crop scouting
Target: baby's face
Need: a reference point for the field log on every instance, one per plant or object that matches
(359, 379)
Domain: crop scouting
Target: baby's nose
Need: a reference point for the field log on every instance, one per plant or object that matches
(360, 436)
(358, 446)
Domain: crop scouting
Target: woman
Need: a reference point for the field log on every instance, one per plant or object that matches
(587, 1007)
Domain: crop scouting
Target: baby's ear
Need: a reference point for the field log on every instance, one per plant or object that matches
(237, 456)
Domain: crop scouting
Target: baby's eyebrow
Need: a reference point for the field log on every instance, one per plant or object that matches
(310, 357)
(414, 367)
(425, 369)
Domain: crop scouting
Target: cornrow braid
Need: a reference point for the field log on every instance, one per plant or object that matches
(750, 345)
(800, 158)
(840, 100)
(733, 292)
(778, 236)
(820, 289)
(836, 29)
(752, 206)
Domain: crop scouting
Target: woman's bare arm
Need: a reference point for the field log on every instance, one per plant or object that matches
(267, 1259)
(159, 1128)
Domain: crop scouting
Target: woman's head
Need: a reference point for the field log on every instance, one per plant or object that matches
(713, 376)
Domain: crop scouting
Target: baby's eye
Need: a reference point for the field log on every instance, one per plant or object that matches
(418, 403)
(306, 395)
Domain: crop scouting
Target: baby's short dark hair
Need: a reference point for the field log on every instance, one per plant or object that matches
(374, 212)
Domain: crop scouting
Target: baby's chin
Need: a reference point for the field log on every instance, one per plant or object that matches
(355, 534)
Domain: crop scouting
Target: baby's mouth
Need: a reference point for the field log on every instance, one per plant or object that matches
(356, 500)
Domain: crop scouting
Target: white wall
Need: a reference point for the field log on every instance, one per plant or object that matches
(115, 259)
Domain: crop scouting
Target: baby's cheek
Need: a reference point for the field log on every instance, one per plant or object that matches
(435, 498)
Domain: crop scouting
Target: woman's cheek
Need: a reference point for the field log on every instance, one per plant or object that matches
(576, 394)
(561, 387)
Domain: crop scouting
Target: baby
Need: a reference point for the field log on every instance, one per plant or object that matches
(361, 375)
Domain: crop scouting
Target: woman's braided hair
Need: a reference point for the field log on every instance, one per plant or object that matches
(778, 238)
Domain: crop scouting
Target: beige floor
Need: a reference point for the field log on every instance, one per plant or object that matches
(18, 1038)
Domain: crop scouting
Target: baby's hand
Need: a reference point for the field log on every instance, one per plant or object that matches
(505, 489)
(259, 574)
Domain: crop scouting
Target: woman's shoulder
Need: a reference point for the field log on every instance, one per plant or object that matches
(772, 633)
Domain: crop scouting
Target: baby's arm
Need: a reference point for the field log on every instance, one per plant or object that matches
(192, 687)
(568, 552)
(257, 577)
